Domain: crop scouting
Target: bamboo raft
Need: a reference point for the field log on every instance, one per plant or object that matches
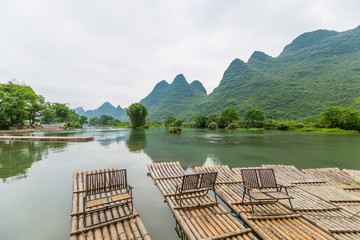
(126, 228)
(331, 193)
(354, 174)
(281, 225)
(334, 176)
(209, 222)
(292, 175)
(46, 138)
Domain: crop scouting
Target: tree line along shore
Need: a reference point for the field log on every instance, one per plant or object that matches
(21, 107)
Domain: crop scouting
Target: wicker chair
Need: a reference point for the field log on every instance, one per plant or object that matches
(267, 191)
(106, 190)
(195, 186)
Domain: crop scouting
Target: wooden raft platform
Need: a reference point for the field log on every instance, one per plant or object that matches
(292, 175)
(46, 138)
(281, 225)
(209, 222)
(126, 228)
(354, 174)
(334, 176)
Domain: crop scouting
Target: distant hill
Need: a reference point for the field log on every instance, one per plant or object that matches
(105, 108)
(317, 70)
(172, 99)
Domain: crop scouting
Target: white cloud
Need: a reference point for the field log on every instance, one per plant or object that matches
(88, 52)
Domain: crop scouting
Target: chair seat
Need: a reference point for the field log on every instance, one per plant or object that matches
(120, 197)
(96, 202)
(279, 195)
(261, 196)
(109, 199)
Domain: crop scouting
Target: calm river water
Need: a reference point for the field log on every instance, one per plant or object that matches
(36, 178)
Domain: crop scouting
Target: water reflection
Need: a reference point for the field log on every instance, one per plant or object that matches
(137, 140)
(17, 157)
(105, 141)
(185, 148)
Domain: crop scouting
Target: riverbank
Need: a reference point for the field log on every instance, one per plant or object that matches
(41, 128)
(46, 138)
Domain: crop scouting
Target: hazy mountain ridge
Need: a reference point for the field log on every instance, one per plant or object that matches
(316, 70)
(171, 99)
(105, 108)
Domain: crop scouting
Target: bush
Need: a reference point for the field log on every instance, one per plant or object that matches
(213, 125)
(283, 126)
(189, 125)
(177, 123)
(232, 126)
(175, 130)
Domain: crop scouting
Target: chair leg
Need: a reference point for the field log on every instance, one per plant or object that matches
(291, 206)
(243, 197)
(252, 205)
(215, 196)
(84, 215)
(132, 206)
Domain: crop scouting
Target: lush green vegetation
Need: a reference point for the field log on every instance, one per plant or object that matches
(20, 105)
(317, 70)
(172, 121)
(176, 130)
(137, 114)
(107, 121)
(172, 99)
(333, 119)
(254, 118)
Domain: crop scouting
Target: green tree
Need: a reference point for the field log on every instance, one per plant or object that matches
(177, 123)
(15, 103)
(201, 121)
(227, 116)
(338, 117)
(62, 111)
(36, 108)
(254, 118)
(83, 120)
(49, 113)
(332, 117)
(212, 117)
(137, 114)
(351, 119)
(169, 120)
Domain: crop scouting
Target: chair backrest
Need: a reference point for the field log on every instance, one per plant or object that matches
(208, 180)
(198, 181)
(259, 178)
(190, 182)
(105, 181)
(267, 178)
(249, 178)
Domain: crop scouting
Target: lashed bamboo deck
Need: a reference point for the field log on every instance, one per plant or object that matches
(323, 210)
(126, 228)
(208, 222)
(46, 138)
(281, 225)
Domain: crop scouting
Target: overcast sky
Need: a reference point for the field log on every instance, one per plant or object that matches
(86, 52)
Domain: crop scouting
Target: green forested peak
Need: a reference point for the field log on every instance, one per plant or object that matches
(198, 85)
(259, 57)
(306, 40)
(106, 105)
(179, 79)
(236, 65)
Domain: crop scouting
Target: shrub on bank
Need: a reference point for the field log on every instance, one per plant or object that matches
(175, 130)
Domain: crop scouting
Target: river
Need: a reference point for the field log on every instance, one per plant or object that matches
(36, 177)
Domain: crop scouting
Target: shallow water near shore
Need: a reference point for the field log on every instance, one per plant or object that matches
(36, 177)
